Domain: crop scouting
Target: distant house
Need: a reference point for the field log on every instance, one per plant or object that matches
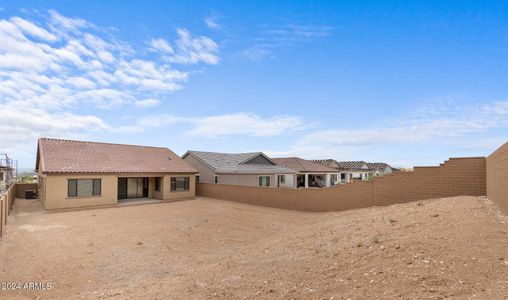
(343, 175)
(356, 170)
(248, 169)
(77, 173)
(380, 169)
(310, 174)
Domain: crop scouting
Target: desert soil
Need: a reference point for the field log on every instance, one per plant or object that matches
(211, 249)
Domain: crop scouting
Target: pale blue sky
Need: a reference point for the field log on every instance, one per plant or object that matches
(405, 83)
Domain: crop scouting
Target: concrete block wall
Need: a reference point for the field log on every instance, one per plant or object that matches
(6, 202)
(455, 177)
(497, 177)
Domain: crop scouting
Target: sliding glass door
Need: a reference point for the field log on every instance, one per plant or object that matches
(132, 187)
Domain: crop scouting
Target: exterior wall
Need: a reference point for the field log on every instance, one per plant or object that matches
(55, 186)
(245, 179)
(351, 175)
(497, 177)
(56, 191)
(206, 174)
(456, 177)
(169, 195)
(290, 181)
(152, 193)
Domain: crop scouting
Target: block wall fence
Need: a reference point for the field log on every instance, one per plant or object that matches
(6, 202)
(455, 177)
(497, 177)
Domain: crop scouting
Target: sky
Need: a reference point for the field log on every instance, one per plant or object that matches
(403, 82)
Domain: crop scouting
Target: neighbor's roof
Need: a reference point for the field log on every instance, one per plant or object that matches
(65, 156)
(353, 165)
(378, 166)
(330, 163)
(237, 163)
(302, 165)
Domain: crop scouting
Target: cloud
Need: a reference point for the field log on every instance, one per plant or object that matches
(212, 21)
(188, 49)
(434, 123)
(244, 124)
(273, 39)
(54, 67)
(147, 103)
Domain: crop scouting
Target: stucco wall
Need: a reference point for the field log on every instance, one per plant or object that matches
(206, 174)
(56, 191)
(244, 179)
(455, 177)
(55, 186)
(168, 195)
(497, 177)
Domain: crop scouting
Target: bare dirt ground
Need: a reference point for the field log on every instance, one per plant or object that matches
(206, 249)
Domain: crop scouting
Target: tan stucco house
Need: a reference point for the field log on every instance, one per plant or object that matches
(247, 169)
(79, 173)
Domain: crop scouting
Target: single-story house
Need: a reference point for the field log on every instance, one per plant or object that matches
(356, 170)
(309, 174)
(79, 173)
(248, 169)
(343, 176)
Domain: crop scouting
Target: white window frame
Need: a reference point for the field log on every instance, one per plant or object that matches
(269, 180)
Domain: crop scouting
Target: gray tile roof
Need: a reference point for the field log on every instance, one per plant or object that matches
(330, 163)
(235, 163)
(353, 165)
(378, 166)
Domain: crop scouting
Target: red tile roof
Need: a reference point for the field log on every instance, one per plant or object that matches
(65, 156)
(302, 165)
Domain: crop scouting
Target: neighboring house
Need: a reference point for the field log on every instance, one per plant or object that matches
(309, 174)
(356, 170)
(248, 169)
(78, 173)
(380, 169)
(343, 175)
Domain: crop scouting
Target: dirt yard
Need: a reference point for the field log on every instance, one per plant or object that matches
(211, 249)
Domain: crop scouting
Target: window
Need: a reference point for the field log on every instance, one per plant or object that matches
(83, 187)
(1, 176)
(282, 178)
(179, 183)
(264, 180)
(216, 179)
(197, 178)
(158, 184)
(343, 176)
